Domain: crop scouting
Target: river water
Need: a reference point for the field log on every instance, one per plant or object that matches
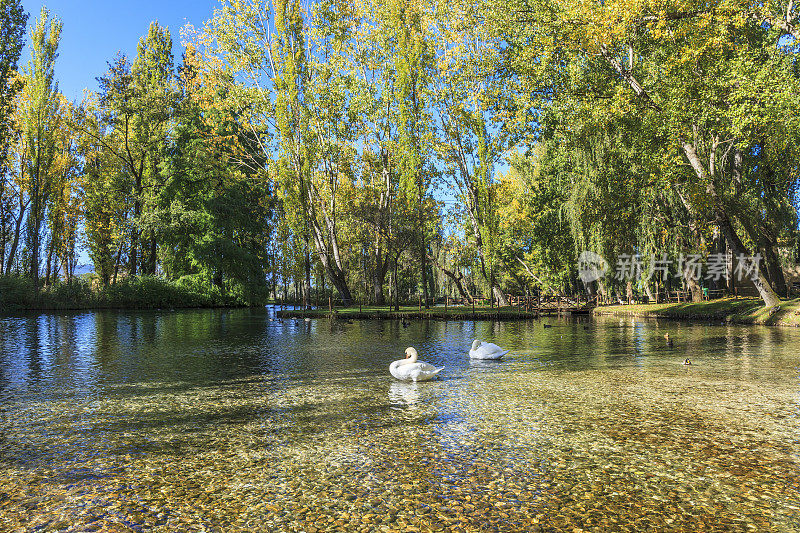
(230, 420)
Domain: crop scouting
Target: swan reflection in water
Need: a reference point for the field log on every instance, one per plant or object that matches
(404, 394)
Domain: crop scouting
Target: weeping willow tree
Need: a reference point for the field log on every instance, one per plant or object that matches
(591, 189)
(701, 86)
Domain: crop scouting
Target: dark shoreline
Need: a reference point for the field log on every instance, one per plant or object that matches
(742, 311)
(436, 313)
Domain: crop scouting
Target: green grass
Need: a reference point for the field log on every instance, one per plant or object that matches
(18, 294)
(738, 310)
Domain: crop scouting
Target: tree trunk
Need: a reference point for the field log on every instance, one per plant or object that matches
(602, 290)
(17, 231)
(766, 245)
(3, 231)
(502, 301)
(377, 289)
(536, 278)
(695, 289)
(330, 258)
(69, 269)
(731, 285)
(718, 247)
(117, 260)
(591, 289)
(133, 254)
(33, 229)
(379, 277)
(337, 280)
(396, 284)
(47, 269)
(381, 217)
(431, 284)
(760, 282)
(477, 222)
(424, 263)
(307, 280)
(151, 256)
(650, 297)
(773, 267)
(457, 279)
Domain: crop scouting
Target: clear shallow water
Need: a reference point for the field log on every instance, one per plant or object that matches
(227, 420)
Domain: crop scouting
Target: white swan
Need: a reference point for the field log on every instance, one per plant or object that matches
(409, 369)
(486, 350)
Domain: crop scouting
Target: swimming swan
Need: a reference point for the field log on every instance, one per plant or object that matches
(486, 350)
(409, 369)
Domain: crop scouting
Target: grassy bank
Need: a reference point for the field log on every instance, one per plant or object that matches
(414, 312)
(737, 310)
(19, 294)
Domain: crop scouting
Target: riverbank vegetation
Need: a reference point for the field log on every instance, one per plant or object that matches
(736, 310)
(391, 151)
(17, 293)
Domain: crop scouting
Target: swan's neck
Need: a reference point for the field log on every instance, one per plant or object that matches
(410, 360)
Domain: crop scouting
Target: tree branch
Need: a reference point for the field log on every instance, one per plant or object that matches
(628, 77)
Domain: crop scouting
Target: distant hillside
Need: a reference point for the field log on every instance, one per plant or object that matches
(84, 269)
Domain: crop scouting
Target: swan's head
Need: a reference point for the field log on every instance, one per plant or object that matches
(666, 336)
(411, 352)
(475, 344)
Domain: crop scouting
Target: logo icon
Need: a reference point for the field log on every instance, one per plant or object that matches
(591, 266)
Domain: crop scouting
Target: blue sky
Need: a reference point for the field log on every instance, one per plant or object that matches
(94, 31)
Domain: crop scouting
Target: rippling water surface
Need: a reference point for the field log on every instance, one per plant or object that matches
(234, 421)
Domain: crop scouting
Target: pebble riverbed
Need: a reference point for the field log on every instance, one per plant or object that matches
(595, 428)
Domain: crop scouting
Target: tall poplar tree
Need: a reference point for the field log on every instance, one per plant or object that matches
(40, 122)
(412, 59)
(12, 39)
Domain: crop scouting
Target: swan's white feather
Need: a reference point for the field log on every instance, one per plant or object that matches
(486, 350)
(412, 370)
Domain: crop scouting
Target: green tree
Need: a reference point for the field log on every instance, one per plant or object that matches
(64, 207)
(412, 60)
(216, 204)
(478, 118)
(12, 39)
(103, 192)
(691, 81)
(290, 103)
(40, 120)
(138, 102)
